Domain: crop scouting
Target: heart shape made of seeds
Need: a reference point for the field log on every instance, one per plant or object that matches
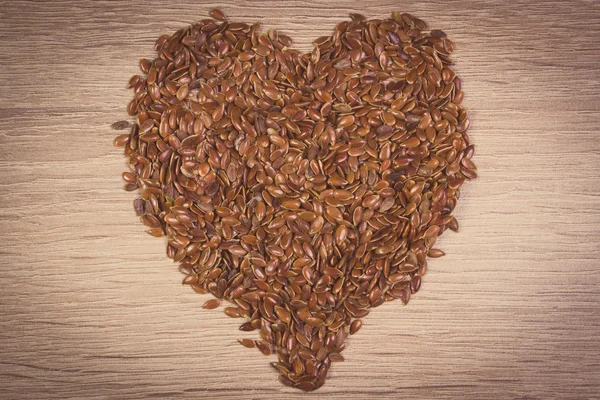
(303, 188)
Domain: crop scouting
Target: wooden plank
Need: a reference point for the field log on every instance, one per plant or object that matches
(91, 307)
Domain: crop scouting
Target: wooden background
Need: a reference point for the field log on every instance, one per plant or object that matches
(90, 307)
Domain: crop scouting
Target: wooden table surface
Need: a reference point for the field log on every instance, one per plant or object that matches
(90, 307)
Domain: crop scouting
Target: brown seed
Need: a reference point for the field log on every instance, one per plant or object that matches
(263, 347)
(262, 50)
(283, 314)
(345, 121)
(121, 140)
(249, 343)
(436, 253)
(415, 284)
(139, 205)
(411, 143)
(146, 126)
(340, 234)
(211, 304)
(156, 232)
(182, 92)
(120, 125)
(291, 204)
(217, 14)
(232, 312)
(355, 326)
(467, 163)
(313, 321)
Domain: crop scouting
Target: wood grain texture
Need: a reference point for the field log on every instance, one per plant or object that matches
(90, 307)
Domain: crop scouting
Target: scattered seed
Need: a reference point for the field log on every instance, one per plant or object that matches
(121, 140)
(211, 304)
(217, 14)
(120, 125)
(247, 343)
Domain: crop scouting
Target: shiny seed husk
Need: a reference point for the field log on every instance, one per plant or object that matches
(120, 125)
(211, 304)
(249, 343)
(355, 326)
(217, 14)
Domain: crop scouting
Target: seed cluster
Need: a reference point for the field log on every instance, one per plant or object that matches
(303, 188)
